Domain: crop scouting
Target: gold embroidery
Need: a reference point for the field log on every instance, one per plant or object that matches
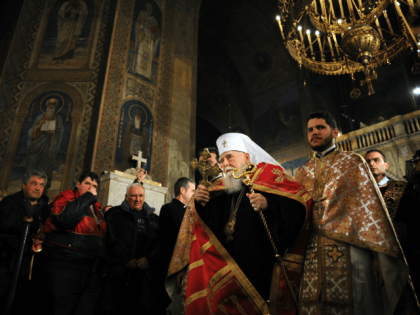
(293, 257)
(335, 254)
(196, 264)
(280, 178)
(205, 247)
(311, 257)
(234, 299)
(216, 277)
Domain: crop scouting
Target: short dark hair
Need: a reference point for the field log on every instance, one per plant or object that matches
(92, 175)
(211, 150)
(380, 152)
(39, 174)
(182, 182)
(329, 119)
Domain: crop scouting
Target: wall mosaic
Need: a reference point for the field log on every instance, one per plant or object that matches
(145, 39)
(44, 139)
(135, 88)
(135, 133)
(13, 139)
(45, 136)
(66, 34)
(107, 131)
(15, 69)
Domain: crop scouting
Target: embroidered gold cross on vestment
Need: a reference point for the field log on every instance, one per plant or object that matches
(335, 254)
(319, 207)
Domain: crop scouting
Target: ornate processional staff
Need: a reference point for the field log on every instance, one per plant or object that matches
(246, 175)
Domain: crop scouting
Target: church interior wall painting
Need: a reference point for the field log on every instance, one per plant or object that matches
(291, 167)
(46, 135)
(145, 40)
(135, 133)
(67, 34)
(278, 118)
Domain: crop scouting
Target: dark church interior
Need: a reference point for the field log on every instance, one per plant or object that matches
(117, 88)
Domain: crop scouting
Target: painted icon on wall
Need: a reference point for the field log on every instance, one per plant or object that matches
(44, 137)
(67, 35)
(135, 133)
(143, 56)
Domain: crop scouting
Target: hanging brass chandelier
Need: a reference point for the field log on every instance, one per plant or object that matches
(335, 37)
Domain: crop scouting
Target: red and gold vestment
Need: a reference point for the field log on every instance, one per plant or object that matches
(216, 284)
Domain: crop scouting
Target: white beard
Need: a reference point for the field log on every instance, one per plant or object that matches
(233, 184)
(50, 113)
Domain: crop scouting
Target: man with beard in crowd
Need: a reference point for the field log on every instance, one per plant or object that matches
(233, 264)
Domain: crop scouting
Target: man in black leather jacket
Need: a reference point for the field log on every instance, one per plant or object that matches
(132, 238)
(30, 201)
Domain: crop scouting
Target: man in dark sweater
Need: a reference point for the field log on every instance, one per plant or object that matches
(171, 215)
(170, 219)
(400, 200)
(76, 221)
(133, 241)
(30, 201)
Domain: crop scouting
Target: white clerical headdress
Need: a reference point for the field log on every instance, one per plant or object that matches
(239, 142)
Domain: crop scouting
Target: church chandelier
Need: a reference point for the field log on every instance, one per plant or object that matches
(337, 37)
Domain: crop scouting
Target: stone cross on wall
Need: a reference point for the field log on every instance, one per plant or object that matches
(139, 159)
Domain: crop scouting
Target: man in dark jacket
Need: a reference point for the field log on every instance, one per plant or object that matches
(170, 219)
(30, 201)
(133, 240)
(76, 221)
(400, 200)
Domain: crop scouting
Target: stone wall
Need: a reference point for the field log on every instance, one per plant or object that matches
(126, 84)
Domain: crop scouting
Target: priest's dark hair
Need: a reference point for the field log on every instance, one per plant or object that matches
(182, 182)
(380, 152)
(211, 150)
(329, 119)
(39, 174)
(92, 175)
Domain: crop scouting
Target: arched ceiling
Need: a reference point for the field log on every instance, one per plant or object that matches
(248, 33)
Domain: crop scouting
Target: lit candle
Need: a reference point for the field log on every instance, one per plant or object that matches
(300, 33)
(280, 26)
(319, 44)
(308, 33)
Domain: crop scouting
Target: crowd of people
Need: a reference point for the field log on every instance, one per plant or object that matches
(338, 238)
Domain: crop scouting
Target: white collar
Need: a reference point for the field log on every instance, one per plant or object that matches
(384, 181)
(326, 152)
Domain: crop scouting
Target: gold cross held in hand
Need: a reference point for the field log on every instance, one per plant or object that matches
(205, 168)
